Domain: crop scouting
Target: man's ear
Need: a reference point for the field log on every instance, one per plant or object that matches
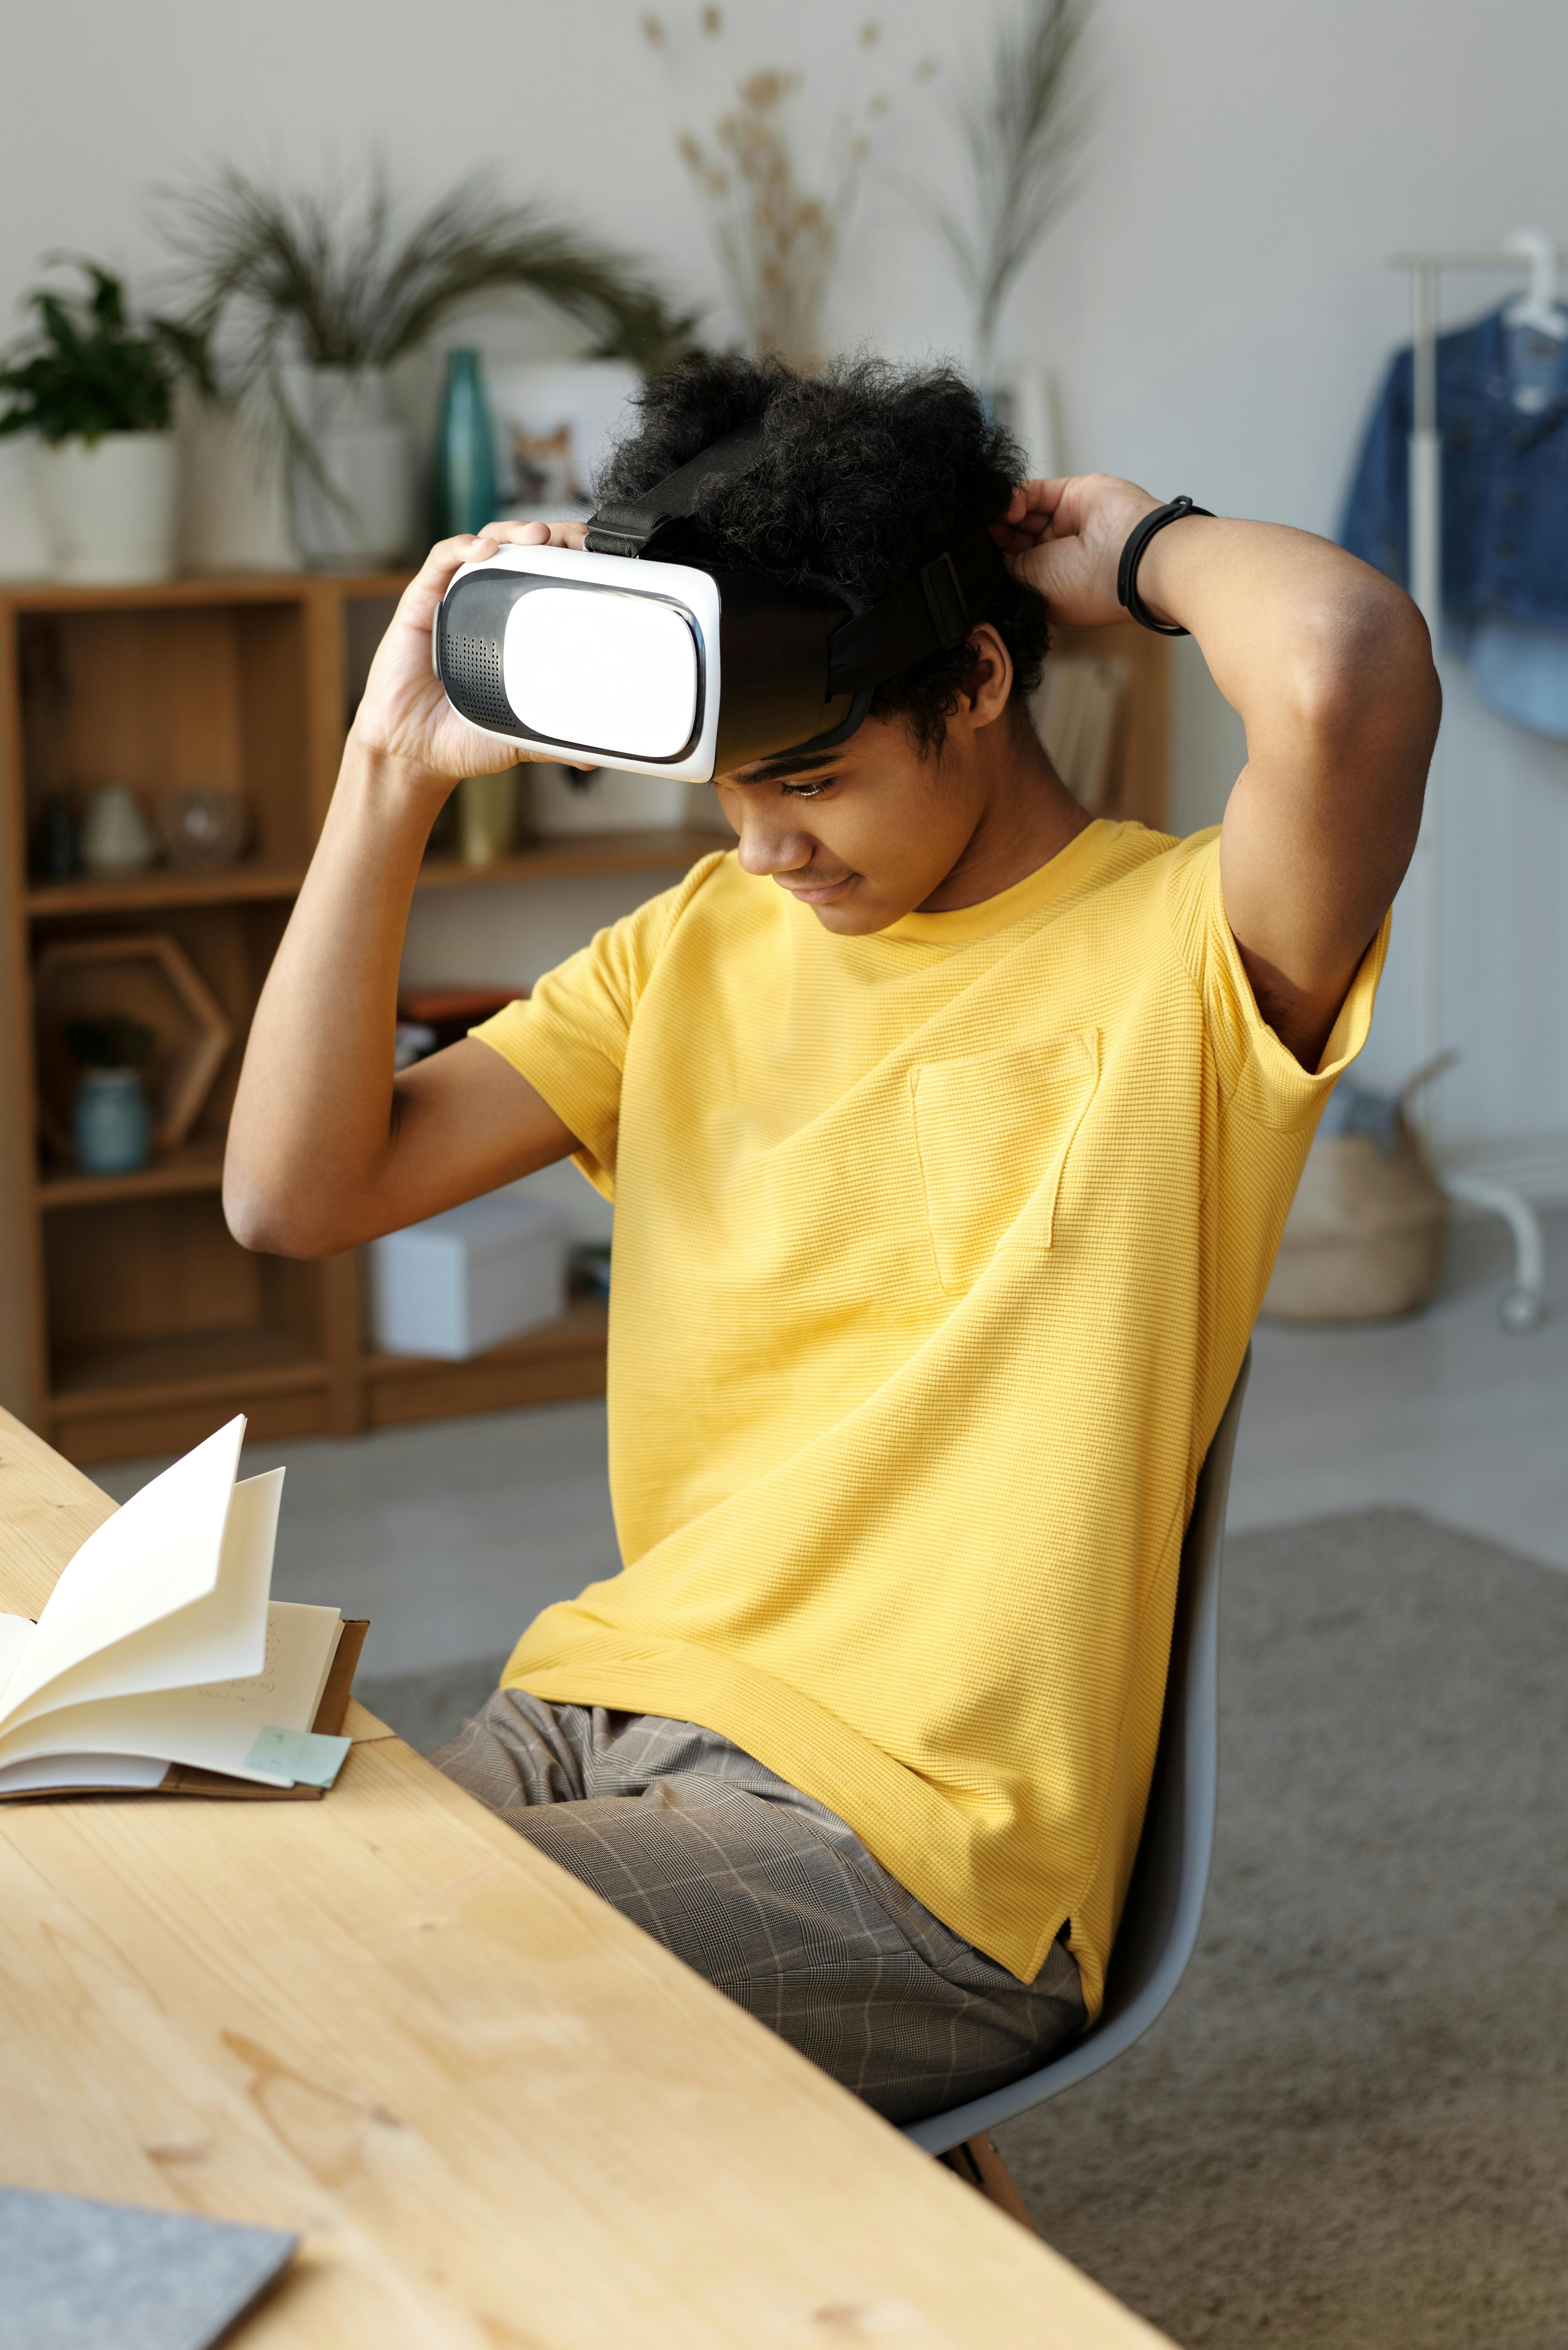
(988, 688)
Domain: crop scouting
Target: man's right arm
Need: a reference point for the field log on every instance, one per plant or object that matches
(327, 1146)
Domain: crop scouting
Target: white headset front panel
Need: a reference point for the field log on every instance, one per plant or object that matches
(624, 673)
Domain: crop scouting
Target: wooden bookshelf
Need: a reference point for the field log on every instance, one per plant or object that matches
(133, 1322)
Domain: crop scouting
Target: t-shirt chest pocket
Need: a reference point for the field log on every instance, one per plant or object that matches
(994, 1133)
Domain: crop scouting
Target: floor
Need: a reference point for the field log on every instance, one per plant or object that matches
(1446, 1412)
(1348, 2129)
(453, 1536)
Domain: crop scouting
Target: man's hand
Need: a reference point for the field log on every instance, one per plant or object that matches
(1329, 666)
(1064, 538)
(405, 715)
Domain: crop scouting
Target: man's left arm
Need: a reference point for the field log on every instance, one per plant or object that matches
(1330, 667)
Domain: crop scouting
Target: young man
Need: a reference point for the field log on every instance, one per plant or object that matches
(950, 1135)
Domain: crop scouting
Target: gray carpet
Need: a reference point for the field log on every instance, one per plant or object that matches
(1350, 2129)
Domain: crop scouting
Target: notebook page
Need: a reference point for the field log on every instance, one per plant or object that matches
(155, 1555)
(219, 1637)
(137, 1774)
(213, 1727)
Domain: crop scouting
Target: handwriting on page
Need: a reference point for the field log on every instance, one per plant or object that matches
(256, 1688)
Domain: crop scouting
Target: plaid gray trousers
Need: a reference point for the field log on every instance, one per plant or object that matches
(768, 1895)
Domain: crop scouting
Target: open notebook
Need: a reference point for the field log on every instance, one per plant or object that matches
(159, 1664)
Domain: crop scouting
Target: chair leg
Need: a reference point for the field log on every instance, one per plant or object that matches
(979, 2165)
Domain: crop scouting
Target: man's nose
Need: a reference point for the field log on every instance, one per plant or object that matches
(768, 845)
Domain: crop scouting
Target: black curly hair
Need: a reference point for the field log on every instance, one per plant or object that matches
(869, 470)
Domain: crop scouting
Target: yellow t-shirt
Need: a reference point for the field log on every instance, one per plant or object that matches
(936, 1256)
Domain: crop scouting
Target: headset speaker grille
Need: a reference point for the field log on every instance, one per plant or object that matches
(473, 666)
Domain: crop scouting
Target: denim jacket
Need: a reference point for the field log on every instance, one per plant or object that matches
(1505, 485)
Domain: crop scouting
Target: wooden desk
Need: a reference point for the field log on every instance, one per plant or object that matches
(500, 2116)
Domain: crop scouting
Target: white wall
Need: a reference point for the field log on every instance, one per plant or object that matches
(1214, 306)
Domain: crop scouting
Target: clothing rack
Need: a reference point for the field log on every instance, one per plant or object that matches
(1480, 1186)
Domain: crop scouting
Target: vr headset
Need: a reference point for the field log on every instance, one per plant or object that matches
(614, 656)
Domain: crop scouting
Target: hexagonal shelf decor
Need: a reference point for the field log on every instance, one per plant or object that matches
(151, 979)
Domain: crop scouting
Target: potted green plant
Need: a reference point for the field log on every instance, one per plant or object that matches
(96, 390)
(111, 1126)
(311, 299)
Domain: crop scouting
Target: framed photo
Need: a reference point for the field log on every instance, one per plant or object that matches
(555, 423)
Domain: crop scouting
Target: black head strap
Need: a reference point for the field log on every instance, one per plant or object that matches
(628, 526)
(931, 612)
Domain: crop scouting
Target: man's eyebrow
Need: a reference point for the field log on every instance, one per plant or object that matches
(785, 763)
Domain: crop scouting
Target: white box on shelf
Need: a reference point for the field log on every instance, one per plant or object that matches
(563, 802)
(469, 1279)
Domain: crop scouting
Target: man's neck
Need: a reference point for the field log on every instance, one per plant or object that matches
(1027, 818)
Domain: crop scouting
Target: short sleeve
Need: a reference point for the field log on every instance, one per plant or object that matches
(1259, 1078)
(569, 1038)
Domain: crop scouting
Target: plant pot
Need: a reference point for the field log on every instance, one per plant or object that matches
(233, 501)
(109, 505)
(361, 515)
(111, 1127)
(25, 551)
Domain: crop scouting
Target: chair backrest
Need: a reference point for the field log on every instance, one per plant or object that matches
(1164, 1906)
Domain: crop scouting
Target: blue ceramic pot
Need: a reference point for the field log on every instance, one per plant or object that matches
(110, 1125)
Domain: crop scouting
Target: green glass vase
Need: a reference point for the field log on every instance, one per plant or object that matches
(464, 477)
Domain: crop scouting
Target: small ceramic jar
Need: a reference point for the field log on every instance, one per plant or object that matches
(111, 1128)
(116, 837)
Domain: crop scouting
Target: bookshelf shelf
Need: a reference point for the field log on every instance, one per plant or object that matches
(196, 1167)
(178, 1368)
(203, 590)
(543, 861)
(564, 1358)
(149, 893)
(587, 853)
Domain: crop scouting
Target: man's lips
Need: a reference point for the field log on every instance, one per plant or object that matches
(816, 893)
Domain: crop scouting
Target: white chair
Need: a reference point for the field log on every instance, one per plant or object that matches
(1170, 1875)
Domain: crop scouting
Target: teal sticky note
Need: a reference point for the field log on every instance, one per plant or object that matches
(300, 1754)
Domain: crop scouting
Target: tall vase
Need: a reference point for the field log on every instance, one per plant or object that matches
(464, 477)
(354, 505)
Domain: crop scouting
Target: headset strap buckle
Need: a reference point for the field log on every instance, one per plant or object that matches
(945, 601)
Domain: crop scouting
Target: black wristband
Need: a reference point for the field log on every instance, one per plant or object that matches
(1138, 538)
